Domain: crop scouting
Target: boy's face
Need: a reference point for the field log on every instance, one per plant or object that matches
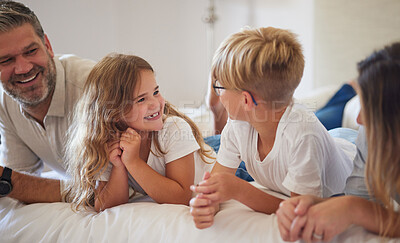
(230, 99)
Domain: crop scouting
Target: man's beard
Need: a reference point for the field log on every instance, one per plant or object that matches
(34, 99)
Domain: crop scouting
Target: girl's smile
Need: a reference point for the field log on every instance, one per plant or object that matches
(148, 105)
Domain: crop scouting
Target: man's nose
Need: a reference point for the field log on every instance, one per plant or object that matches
(22, 65)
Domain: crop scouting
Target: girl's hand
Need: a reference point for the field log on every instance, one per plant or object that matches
(115, 152)
(130, 146)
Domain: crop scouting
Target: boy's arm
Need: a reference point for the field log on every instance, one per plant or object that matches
(223, 185)
(32, 189)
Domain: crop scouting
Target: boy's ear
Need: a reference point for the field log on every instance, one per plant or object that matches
(247, 101)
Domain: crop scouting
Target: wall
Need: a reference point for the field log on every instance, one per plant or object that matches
(348, 31)
(169, 34)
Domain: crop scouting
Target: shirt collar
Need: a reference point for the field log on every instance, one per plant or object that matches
(57, 105)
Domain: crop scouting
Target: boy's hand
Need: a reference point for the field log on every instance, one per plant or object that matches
(203, 209)
(130, 145)
(218, 188)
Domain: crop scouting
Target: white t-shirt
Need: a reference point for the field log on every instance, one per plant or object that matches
(304, 159)
(176, 140)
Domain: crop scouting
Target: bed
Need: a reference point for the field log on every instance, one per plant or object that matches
(145, 221)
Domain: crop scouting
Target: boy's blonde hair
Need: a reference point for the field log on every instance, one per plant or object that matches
(266, 61)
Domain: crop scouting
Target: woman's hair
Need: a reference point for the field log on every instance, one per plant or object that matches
(266, 61)
(379, 83)
(14, 14)
(107, 97)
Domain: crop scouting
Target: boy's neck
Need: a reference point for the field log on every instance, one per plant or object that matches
(266, 127)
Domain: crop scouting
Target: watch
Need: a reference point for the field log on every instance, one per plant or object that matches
(5, 182)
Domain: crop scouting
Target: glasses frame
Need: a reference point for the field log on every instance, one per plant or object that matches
(218, 89)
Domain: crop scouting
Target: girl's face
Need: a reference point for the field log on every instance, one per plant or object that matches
(148, 105)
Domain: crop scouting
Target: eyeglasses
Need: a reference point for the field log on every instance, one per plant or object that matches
(218, 90)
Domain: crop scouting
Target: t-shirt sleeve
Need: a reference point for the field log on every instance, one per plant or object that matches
(13, 151)
(305, 167)
(229, 153)
(355, 184)
(105, 175)
(177, 139)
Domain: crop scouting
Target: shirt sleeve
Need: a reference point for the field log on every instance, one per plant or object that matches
(229, 153)
(177, 139)
(306, 167)
(355, 183)
(13, 151)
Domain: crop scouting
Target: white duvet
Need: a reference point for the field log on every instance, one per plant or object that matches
(142, 222)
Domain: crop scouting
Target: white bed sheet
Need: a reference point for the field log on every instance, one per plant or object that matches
(142, 222)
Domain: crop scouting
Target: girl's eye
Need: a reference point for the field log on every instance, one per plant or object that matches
(156, 92)
(140, 100)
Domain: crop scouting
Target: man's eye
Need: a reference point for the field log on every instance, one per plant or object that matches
(5, 61)
(32, 51)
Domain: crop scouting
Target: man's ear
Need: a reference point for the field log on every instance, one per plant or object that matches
(248, 102)
(48, 45)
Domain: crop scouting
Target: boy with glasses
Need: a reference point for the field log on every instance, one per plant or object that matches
(285, 148)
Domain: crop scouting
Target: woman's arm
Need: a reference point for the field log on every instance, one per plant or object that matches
(365, 215)
(334, 215)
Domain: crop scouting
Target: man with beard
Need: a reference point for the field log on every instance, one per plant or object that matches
(38, 93)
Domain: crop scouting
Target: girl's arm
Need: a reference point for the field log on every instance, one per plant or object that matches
(116, 190)
(173, 188)
(113, 192)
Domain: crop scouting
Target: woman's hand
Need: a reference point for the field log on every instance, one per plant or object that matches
(290, 212)
(325, 220)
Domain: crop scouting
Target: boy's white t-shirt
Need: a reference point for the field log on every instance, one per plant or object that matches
(304, 159)
(176, 139)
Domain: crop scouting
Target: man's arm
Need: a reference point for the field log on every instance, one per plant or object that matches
(32, 189)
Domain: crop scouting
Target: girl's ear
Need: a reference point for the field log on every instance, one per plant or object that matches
(248, 101)
(121, 125)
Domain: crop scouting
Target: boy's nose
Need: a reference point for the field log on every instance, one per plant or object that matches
(22, 65)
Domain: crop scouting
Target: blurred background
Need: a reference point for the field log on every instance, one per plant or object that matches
(178, 37)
